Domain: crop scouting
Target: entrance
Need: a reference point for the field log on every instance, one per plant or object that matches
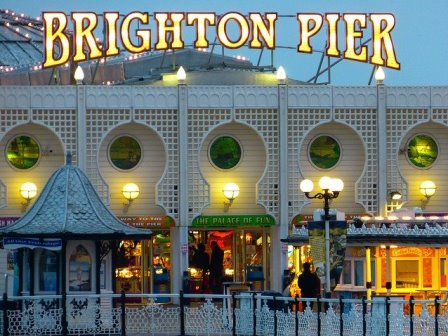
(144, 266)
(246, 255)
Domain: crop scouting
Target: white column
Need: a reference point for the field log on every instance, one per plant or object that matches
(279, 255)
(382, 149)
(368, 273)
(180, 232)
(81, 125)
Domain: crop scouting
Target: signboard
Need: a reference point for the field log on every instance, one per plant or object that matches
(136, 32)
(32, 243)
(148, 222)
(4, 221)
(233, 221)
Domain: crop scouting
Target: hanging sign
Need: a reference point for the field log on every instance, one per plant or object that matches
(4, 221)
(148, 222)
(94, 36)
(32, 243)
(233, 221)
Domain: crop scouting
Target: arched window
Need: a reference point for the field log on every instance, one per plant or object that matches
(48, 271)
(80, 270)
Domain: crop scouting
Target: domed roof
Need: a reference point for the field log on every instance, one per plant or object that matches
(69, 206)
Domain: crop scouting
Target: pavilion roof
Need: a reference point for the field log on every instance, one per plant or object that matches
(70, 207)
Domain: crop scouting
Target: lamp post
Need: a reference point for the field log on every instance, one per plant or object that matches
(331, 187)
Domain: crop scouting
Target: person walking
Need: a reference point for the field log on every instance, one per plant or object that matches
(309, 283)
(201, 261)
(216, 268)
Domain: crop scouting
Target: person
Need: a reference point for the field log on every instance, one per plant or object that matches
(309, 283)
(216, 268)
(201, 261)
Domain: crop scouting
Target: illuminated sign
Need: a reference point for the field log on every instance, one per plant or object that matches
(132, 33)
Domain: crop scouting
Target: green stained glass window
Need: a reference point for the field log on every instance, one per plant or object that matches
(125, 152)
(324, 152)
(422, 151)
(23, 152)
(225, 152)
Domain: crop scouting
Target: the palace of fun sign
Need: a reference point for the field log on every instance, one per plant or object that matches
(131, 32)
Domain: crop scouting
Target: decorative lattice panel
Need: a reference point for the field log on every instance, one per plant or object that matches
(265, 121)
(440, 115)
(63, 123)
(165, 122)
(300, 121)
(99, 122)
(8, 119)
(200, 122)
(399, 122)
(364, 122)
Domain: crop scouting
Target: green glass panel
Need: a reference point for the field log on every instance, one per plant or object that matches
(225, 152)
(422, 151)
(23, 152)
(325, 152)
(125, 153)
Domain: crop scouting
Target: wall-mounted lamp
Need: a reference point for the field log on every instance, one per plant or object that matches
(78, 75)
(130, 191)
(395, 195)
(230, 191)
(28, 191)
(181, 75)
(427, 189)
(281, 75)
(380, 75)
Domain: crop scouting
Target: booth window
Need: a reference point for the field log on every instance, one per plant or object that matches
(23, 152)
(225, 152)
(407, 274)
(48, 270)
(80, 270)
(354, 273)
(422, 151)
(324, 152)
(125, 152)
(443, 272)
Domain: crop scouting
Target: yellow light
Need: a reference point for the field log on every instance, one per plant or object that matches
(181, 74)
(28, 191)
(306, 186)
(428, 188)
(231, 191)
(130, 191)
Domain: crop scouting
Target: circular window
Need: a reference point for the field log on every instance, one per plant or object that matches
(23, 152)
(324, 152)
(422, 151)
(125, 152)
(225, 152)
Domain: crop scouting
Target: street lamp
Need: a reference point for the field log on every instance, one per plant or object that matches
(331, 187)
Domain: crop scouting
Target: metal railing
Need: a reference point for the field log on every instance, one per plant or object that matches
(245, 313)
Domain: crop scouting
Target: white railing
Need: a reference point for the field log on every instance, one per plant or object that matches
(246, 313)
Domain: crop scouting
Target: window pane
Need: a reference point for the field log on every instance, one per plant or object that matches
(422, 151)
(324, 152)
(347, 273)
(125, 152)
(359, 273)
(80, 270)
(23, 152)
(373, 266)
(407, 274)
(225, 152)
(48, 266)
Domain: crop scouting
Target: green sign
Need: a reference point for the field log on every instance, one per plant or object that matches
(233, 221)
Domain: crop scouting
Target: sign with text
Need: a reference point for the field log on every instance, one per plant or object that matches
(4, 221)
(84, 36)
(148, 222)
(233, 221)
